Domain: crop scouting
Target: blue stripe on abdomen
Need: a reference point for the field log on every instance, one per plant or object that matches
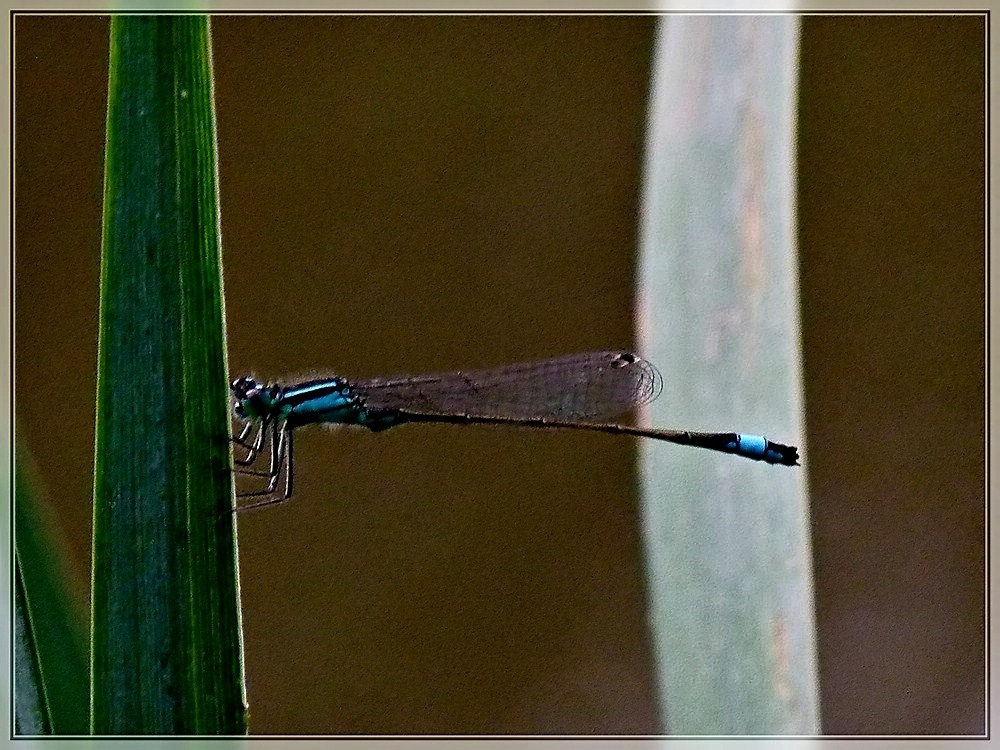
(335, 407)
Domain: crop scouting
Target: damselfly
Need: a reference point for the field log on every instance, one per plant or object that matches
(577, 392)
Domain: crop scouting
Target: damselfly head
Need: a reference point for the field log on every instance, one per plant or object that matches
(253, 399)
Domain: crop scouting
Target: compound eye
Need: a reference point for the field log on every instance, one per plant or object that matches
(243, 386)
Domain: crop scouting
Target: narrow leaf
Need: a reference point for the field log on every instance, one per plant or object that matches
(55, 619)
(31, 707)
(167, 652)
(728, 546)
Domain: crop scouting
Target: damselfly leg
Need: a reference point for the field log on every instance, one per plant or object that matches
(252, 447)
(280, 439)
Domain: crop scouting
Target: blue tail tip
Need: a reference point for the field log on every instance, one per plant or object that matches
(760, 448)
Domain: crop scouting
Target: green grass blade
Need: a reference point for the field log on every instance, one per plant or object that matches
(166, 643)
(31, 707)
(727, 539)
(55, 621)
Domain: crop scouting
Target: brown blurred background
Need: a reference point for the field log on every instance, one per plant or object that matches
(415, 193)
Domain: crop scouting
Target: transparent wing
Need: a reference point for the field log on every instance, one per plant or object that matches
(593, 385)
